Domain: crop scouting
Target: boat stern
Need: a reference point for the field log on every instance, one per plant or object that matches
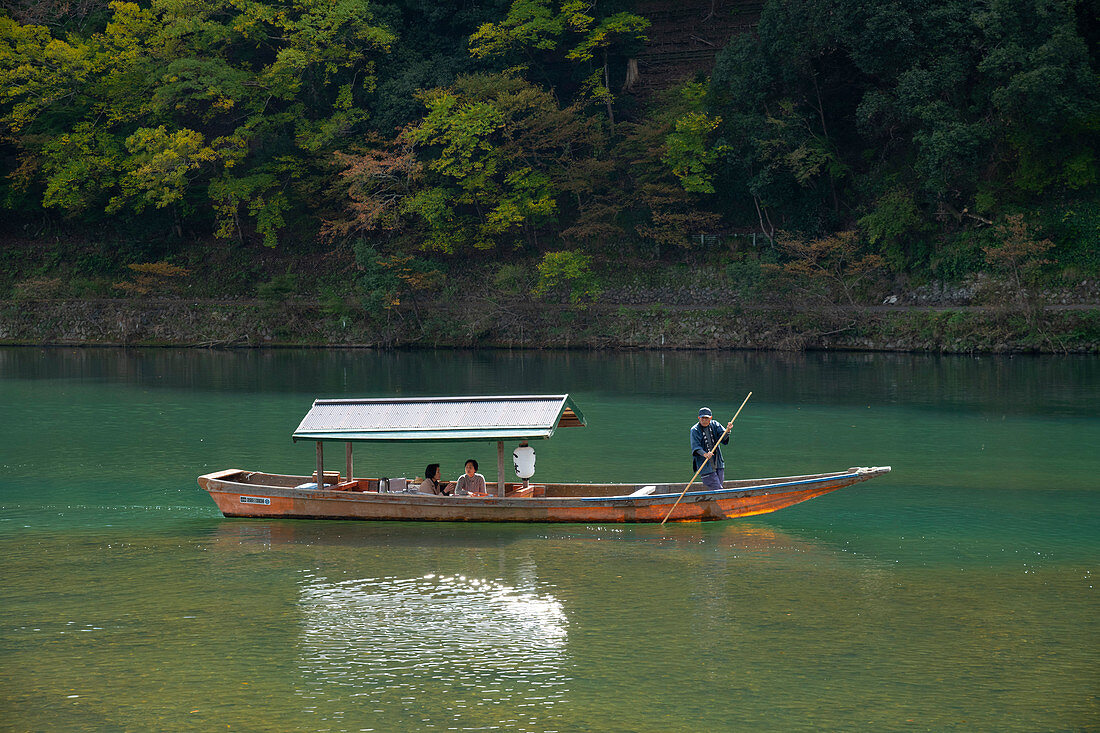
(207, 480)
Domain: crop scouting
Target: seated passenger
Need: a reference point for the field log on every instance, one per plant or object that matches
(471, 481)
(434, 483)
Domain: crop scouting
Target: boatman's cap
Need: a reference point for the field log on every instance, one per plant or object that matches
(705, 412)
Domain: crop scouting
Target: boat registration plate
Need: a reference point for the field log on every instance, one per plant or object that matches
(255, 500)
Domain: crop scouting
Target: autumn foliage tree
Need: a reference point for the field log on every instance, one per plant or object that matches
(826, 267)
(1017, 253)
(483, 169)
(151, 277)
(379, 176)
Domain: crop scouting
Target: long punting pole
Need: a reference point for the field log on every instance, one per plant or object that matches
(728, 427)
(500, 468)
(347, 451)
(320, 466)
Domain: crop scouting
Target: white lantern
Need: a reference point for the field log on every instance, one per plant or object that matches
(523, 458)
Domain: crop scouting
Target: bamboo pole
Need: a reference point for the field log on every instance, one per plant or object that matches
(348, 456)
(728, 427)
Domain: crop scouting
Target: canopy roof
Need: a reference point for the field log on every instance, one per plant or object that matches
(439, 418)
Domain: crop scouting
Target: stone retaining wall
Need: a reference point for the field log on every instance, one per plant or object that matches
(535, 325)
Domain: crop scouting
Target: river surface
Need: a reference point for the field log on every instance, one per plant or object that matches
(956, 593)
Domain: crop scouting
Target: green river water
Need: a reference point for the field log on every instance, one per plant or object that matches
(956, 593)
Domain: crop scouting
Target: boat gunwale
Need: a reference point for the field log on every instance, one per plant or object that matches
(816, 478)
(220, 481)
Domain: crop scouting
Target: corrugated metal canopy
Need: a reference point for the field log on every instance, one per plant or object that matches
(439, 418)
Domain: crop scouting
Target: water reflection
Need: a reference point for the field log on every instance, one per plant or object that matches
(742, 537)
(456, 650)
(1066, 386)
(710, 541)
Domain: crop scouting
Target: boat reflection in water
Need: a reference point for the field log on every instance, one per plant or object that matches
(455, 648)
(399, 626)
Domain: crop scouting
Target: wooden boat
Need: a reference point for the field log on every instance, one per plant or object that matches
(240, 493)
(248, 494)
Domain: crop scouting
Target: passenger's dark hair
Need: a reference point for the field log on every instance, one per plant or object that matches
(429, 472)
(470, 460)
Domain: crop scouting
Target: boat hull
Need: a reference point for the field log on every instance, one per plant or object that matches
(243, 494)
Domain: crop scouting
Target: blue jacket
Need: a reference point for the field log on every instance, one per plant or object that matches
(698, 449)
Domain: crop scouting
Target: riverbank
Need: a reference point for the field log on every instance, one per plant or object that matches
(527, 324)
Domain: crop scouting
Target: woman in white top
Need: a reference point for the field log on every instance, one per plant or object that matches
(471, 481)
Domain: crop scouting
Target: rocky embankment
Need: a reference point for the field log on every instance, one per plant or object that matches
(1071, 328)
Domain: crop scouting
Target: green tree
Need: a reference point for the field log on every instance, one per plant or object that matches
(892, 225)
(226, 105)
(568, 272)
(690, 152)
(493, 147)
(944, 113)
(567, 29)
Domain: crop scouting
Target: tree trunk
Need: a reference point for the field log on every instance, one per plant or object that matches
(825, 132)
(760, 217)
(632, 75)
(607, 86)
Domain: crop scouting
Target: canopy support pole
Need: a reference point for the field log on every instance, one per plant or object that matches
(500, 468)
(348, 452)
(320, 465)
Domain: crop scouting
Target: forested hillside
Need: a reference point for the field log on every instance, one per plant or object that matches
(832, 147)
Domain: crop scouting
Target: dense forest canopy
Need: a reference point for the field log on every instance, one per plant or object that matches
(929, 139)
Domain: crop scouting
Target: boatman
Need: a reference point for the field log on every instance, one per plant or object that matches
(705, 435)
